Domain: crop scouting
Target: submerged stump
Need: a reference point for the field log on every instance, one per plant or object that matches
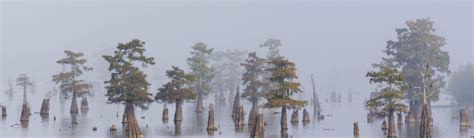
(399, 119)
(44, 108)
(410, 118)
(84, 105)
(25, 113)
(294, 117)
(210, 121)
(306, 118)
(464, 118)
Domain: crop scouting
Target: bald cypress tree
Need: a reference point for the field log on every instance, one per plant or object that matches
(24, 81)
(176, 90)
(283, 73)
(202, 72)
(252, 80)
(128, 84)
(69, 80)
(390, 94)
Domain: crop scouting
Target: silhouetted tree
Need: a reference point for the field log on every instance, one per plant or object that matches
(202, 71)
(417, 46)
(228, 71)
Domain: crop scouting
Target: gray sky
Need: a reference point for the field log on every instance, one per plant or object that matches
(337, 41)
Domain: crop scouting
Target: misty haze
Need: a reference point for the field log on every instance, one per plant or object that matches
(319, 69)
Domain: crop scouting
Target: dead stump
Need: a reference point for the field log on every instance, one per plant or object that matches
(84, 105)
(210, 121)
(306, 118)
(464, 118)
(44, 108)
(294, 117)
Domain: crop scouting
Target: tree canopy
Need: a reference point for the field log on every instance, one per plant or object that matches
(68, 79)
(391, 87)
(252, 78)
(461, 84)
(283, 73)
(200, 68)
(228, 71)
(416, 47)
(128, 83)
(176, 88)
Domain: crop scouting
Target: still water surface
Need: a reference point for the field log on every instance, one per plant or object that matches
(337, 124)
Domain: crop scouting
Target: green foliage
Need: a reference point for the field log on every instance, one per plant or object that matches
(283, 73)
(417, 47)
(252, 78)
(128, 83)
(228, 71)
(175, 89)
(391, 88)
(68, 79)
(461, 84)
(200, 68)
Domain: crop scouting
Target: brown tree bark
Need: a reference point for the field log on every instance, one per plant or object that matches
(283, 123)
(210, 121)
(178, 115)
(258, 128)
(356, 130)
(425, 129)
(392, 130)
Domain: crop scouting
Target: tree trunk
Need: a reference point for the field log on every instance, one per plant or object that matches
(210, 121)
(74, 108)
(384, 126)
(240, 117)
(165, 113)
(253, 112)
(425, 129)
(258, 128)
(356, 130)
(283, 123)
(177, 127)
(199, 104)
(24, 95)
(4, 111)
(178, 115)
(236, 105)
(392, 130)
